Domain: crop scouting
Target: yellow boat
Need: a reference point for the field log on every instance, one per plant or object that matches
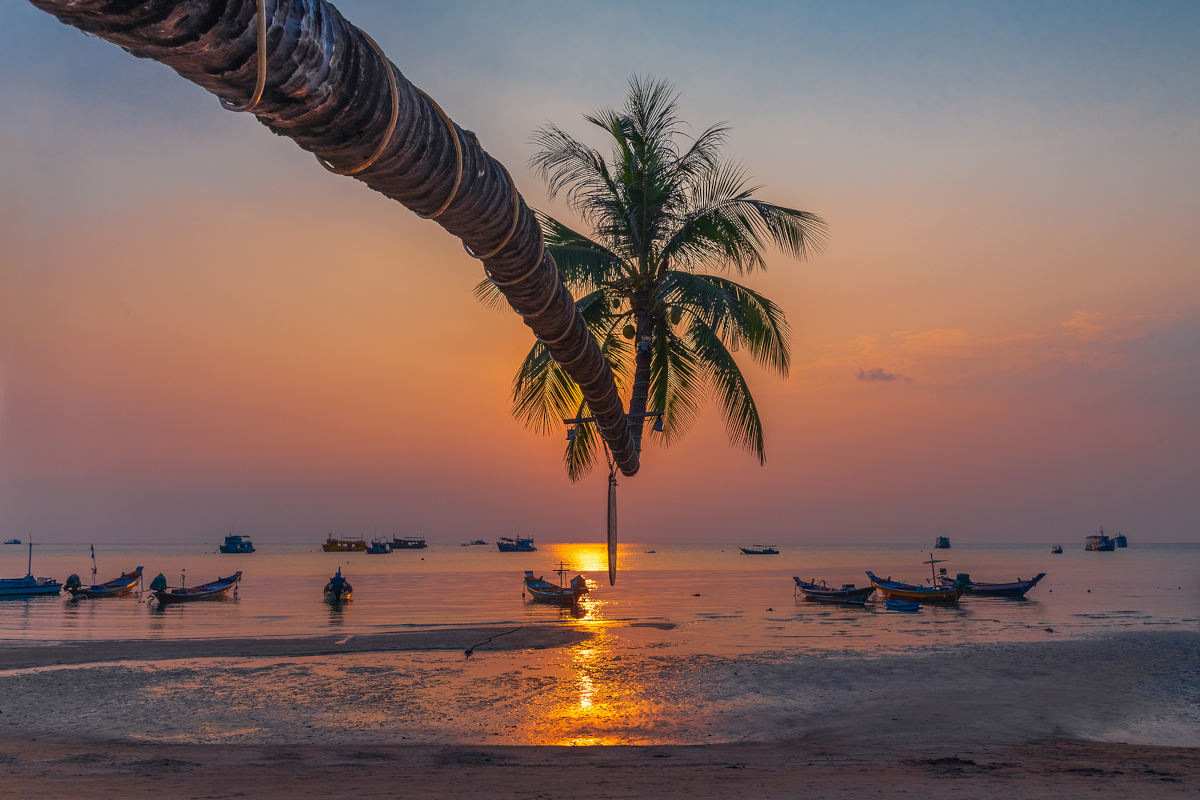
(349, 544)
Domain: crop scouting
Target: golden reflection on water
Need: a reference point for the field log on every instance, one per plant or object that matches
(595, 701)
(581, 556)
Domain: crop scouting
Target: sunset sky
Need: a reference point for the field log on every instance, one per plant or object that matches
(201, 329)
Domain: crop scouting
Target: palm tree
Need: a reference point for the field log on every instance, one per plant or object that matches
(313, 77)
(665, 214)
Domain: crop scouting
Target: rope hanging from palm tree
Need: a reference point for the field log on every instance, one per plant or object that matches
(612, 518)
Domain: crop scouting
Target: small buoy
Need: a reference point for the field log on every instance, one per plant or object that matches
(697, 594)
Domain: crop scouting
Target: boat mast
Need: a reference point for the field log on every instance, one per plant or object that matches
(932, 574)
(94, 570)
(29, 567)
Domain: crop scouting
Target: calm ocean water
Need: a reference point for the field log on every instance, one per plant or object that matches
(718, 600)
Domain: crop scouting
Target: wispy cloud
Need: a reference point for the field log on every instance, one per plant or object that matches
(878, 374)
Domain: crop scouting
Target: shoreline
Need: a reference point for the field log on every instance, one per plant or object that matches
(25, 656)
(1065, 767)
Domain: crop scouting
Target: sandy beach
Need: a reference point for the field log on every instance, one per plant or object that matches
(410, 715)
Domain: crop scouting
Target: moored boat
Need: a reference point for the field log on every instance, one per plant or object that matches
(345, 544)
(567, 596)
(114, 588)
(897, 590)
(1014, 590)
(213, 590)
(379, 547)
(848, 593)
(338, 590)
(12, 541)
(1056, 550)
(1120, 541)
(1099, 543)
(942, 543)
(473, 543)
(29, 586)
(760, 550)
(506, 544)
(409, 543)
(235, 543)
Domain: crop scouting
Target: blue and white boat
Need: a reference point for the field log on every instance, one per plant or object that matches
(28, 586)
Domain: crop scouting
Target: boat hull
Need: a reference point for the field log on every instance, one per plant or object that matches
(344, 546)
(1014, 590)
(828, 594)
(28, 587)
(115, 588)
(911, 592)
(411, 543)
(766, 551)
(216, 590)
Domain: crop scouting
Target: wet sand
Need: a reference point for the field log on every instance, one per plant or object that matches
(409, 715)
(1068, 769)
(23, 655)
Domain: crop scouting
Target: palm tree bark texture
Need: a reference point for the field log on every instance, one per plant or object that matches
(328, 89)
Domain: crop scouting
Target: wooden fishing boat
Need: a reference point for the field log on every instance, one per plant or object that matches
(848, 593)
(213, 590)
(760, 550)
(380, 547)
(28, 586)
(1013, 590)
(543, 591)
(896, 590)
(114, 588)
(507, 544)
(347, 544)
(338, 590)
(1056, 550)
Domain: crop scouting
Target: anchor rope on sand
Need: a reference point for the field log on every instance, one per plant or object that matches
(471, 650)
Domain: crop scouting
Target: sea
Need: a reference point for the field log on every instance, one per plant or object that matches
(706, 598)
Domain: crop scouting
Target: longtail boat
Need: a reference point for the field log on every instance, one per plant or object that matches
(1014, 590)
(543, 591)
(849, 593)
(759, 550)
(338, 590)
(213, 590)
(891, 589)
(113, 588)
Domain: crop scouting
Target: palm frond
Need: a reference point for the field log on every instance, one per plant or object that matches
(583, 263)
(676, 385)
(742, 422)
(740, 315)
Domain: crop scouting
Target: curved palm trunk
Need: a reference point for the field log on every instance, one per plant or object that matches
(641, 367)
(328, 90)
